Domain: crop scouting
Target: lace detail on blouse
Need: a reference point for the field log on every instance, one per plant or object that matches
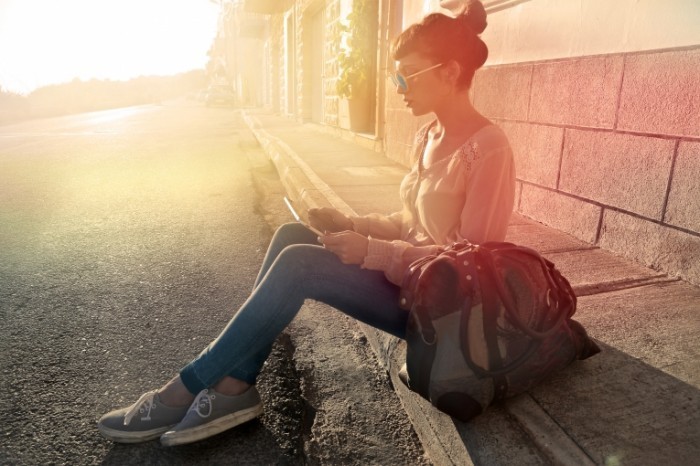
(422, 133)
(469, 153)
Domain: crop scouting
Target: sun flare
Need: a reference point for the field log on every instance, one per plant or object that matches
(44, 41)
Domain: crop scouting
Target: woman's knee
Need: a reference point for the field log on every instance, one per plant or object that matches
(293, 233)
(306, 258)
(289, 229)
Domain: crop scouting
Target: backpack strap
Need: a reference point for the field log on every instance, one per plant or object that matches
(491, 310)
(507, 299)
(488, 285)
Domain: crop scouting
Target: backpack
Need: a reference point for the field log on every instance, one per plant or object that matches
(486, 322)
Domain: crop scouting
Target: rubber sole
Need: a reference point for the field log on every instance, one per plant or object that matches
(173, 438)
(121, 436)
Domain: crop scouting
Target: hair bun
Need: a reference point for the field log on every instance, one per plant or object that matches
(474, 15)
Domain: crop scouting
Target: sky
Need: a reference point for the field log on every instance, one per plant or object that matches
(55, 41)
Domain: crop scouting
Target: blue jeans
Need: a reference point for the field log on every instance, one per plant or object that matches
(295, 268)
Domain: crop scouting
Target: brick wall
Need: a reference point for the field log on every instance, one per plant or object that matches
(607, 148)
(330, 67)
(276, 62)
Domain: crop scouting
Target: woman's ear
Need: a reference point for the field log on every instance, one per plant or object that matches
(451, 72)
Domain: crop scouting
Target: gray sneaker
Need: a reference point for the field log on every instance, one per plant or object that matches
(145, 420)
(212, 413)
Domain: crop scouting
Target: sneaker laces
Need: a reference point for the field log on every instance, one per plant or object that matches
(143, 404)
(203, 401)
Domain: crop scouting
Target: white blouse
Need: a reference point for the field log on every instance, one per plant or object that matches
(467, 195)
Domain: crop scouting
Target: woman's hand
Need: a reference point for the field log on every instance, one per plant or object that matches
(349, 246)
(329, 219)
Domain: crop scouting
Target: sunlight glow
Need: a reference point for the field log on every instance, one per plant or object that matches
(47, 41)
(104, 116)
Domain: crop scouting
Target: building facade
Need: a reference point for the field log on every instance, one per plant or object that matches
(600, 100)
(238, 52)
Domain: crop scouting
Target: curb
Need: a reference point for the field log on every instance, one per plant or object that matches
(549, 437)
(302, 184)
(437, 431)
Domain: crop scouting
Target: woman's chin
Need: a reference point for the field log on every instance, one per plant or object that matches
(419, 111)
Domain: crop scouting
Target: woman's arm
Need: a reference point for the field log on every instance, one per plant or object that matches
(394, 257)
(488, 204)
(329, 219)
(377, 225)
(488, 201)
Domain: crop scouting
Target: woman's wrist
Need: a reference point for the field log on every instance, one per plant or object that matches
(360, 225)
(344, 223)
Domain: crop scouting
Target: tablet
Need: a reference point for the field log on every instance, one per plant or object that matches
(298, 219)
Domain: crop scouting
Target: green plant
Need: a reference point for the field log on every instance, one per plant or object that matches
(356, 42)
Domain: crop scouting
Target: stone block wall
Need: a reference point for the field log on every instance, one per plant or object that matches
(607, 149)
(331, 102)
(276, 69)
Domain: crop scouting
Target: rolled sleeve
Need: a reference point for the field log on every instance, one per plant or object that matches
(394, 257)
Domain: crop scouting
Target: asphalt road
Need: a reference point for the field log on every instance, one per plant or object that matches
(127, 240)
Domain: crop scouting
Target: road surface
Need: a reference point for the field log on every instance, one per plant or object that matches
(127, 240)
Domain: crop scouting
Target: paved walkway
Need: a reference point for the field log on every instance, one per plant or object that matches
(635, 403)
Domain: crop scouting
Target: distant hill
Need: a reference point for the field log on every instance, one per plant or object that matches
(85, 96)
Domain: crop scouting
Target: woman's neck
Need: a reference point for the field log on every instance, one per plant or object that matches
(457, 119)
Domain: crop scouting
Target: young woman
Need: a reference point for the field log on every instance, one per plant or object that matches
(461, 187)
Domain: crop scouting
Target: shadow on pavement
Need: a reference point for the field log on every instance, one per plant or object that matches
(621, 410)
(250, 443)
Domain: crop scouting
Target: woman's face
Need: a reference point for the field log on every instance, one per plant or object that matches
(423, 90)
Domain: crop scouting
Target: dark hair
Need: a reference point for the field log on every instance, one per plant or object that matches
(443, 39)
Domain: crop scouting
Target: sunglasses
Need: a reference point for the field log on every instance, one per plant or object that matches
(401, 81)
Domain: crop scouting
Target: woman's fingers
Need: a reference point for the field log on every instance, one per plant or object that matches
(329, 219)
(349, 246)
(321, 220)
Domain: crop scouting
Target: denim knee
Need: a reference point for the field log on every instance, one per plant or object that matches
(293, 233)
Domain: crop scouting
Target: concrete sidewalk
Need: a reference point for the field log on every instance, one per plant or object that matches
(637, 402)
